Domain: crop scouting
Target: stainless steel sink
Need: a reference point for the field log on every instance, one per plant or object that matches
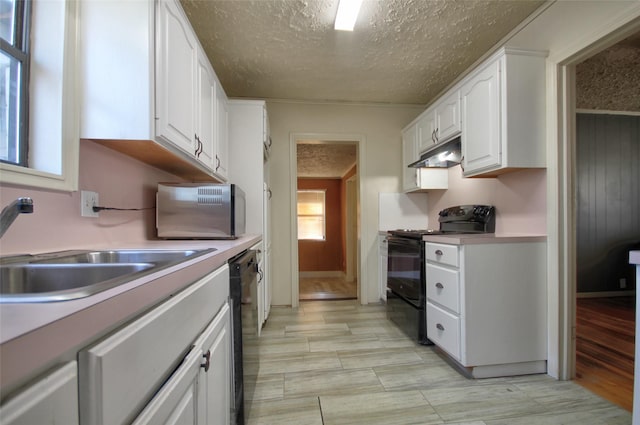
(70, 275)
(118, 256)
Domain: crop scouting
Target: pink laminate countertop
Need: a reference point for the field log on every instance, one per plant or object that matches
(37, 336)
(483, 238)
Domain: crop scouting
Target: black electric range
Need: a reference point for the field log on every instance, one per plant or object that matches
(406, 276)
(461, 219)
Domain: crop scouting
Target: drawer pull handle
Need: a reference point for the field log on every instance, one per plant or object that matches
(440, 327)
(439, 285)
(438, 252)
(207, 361)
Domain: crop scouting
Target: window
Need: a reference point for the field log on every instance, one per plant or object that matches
(14, 80)
(311, 214)
(53, 97)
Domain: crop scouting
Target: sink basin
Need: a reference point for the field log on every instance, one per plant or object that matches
(68, 275)
(119, 256)
(61, 281)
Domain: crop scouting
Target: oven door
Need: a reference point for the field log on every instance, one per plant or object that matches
(405, 270)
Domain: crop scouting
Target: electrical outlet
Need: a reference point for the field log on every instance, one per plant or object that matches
(623, 283)
(88, 200)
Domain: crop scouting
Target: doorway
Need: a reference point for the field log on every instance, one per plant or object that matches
(326, 184)
(606, 154)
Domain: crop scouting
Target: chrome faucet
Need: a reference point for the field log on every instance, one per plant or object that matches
(11, 211)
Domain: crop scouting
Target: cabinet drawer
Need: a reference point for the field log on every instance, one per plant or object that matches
(440, 253)
(443, 329)
(120, 374)
(443, 287)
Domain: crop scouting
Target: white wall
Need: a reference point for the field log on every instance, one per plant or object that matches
(380, 126)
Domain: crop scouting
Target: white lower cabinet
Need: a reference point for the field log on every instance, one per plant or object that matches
(383, 254)
(486, 306)
(199, 391)
(419, 179)
(145, 361)
(51, 400)
(214, 386)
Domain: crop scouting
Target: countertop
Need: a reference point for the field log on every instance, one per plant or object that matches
(37, 336)
(483, 238)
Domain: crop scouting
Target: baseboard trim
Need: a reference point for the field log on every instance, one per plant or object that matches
(606, 294)
(328, 273)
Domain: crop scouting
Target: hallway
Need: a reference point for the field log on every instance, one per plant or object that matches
(327, 288)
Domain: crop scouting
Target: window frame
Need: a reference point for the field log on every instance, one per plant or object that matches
(19, 50)
(323, 215)
(58, 131)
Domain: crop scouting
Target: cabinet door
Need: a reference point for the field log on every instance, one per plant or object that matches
(426, 132)
(222, 135)
(481, 138)
(51, 400)
(121, 373)
(448, 117)
(204, 149)
(215, 387)
(177, 400)
(176, 77)
(409, 155)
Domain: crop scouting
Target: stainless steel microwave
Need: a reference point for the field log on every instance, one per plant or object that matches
(200, 211)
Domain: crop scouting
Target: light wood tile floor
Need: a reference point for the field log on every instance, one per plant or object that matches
(326, 288)
(340, 363)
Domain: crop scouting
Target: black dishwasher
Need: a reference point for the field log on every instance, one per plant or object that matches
(243, 270)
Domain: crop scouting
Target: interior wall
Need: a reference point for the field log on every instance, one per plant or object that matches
(380, 126)
(56, 223)
(608, 200)
(326, 255)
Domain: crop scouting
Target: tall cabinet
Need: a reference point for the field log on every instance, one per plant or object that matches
(249, 140)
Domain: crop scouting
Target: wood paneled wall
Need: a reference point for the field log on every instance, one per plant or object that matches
(324, 255)
(608, 200)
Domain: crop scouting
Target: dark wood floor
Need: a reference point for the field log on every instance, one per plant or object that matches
(605, 347)
(327, 288)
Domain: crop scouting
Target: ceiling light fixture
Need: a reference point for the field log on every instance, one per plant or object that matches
(347, 14)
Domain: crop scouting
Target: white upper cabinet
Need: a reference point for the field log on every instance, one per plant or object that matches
(409, 155)
(439, 123)
(481, 124)
(419, 179)
(447, 118)
(221, 139)
(205, 129)
(425, 132)
(503, 114)
(148, 89)
(176, 78)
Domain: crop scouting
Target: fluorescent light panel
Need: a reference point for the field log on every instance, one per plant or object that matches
(347, 14)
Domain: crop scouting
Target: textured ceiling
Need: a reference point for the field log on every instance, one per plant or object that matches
(401, 52)
(325, 160)
(610, 80)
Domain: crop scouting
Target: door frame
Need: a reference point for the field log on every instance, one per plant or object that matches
(561, 188)
(351, 231)
(334, 138)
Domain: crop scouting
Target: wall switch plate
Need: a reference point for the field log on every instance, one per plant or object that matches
(88, 200)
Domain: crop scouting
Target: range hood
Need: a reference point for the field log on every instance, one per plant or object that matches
(443, 156)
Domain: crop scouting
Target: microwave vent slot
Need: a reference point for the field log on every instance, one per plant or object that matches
(210, 195)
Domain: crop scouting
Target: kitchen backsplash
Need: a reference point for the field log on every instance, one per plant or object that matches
(519, 198)
(56, 223)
